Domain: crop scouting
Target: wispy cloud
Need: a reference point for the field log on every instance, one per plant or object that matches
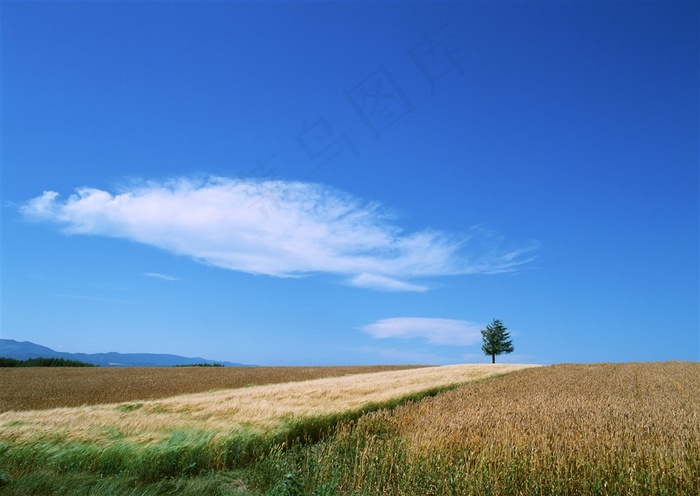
(375, 281)
(435, 331)
(162, 277)
(277, 228)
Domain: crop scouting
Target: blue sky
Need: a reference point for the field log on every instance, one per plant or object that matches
(286, 184)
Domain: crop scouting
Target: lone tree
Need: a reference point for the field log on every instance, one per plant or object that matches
(496, 340)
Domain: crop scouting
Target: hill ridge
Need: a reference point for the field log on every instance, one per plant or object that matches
(24, 350)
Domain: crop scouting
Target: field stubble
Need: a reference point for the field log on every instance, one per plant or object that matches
(258, 409)
(38, 388)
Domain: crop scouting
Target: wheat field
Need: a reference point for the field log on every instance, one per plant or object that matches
(257, 409)
(564, 429)
(570, 429)
(35, 388)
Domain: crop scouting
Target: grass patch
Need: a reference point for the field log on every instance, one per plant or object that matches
(47, 483)
(128, 407)
(183, 452)
(14, 423)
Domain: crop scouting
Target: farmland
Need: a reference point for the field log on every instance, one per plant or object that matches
(214, 430)
(41, 388)
(218, 413)
(563, 429)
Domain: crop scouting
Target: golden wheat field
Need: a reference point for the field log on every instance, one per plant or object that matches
(564, 429)
(34, 388)
(578, 408)
(570, 429)
(258, 409)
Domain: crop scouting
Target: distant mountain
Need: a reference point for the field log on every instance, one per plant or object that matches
(23, 350)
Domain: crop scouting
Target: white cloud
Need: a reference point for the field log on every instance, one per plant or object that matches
(277, 228)
(435, 331)
(375, 281)
(162, 277)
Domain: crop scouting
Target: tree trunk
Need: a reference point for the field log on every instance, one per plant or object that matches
(493, 358)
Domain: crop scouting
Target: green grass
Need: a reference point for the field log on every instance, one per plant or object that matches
(362, 452)
(363, 457)
(40, 483)
(124, 467)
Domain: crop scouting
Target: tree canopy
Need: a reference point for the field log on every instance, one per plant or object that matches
(496, 340)
(42, 362)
